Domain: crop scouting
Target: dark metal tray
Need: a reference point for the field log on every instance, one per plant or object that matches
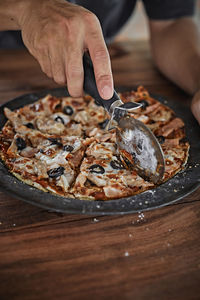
(175, 189)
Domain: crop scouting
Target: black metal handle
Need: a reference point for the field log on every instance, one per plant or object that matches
(90, 86)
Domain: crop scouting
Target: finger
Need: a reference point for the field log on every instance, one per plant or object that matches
(101, 62)
(74, 71)
(57, 61)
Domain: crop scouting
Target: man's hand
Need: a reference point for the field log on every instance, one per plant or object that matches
(195, 106)
(57, 33)
(176, 52)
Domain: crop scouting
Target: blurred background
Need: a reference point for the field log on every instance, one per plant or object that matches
(138, 21)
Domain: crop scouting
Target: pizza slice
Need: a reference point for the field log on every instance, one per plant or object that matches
(103, 176)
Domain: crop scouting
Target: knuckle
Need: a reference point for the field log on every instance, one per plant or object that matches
(100, 54)
(104, 77)
(89, 17)
(73, 22)
(75, 71)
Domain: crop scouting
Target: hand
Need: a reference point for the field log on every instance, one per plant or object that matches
(57, 33)
(195, 106)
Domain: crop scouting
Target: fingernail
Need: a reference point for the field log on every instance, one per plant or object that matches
(107, 92)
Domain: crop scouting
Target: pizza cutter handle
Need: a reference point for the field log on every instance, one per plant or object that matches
(90, 86)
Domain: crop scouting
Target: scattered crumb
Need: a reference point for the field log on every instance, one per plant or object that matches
(126, 253)
(98, 206)
(14, 224)
(170, 229)
(168, 244)
(0, 223)
(95, 220)
(175, 191)
(130, 235)
(147, 228)
(141, 216)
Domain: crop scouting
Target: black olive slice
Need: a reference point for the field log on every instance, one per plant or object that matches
(144, 103)
(139, 144)
(56, 172)
(103, 124)
(21, 144)
(55, 141)
(116, 164)
(134, 156)
(68, 148)
(97, 103)
(57, 107)
(30, 125)
(68, 110)
(96, 169)
(161, 139)
(59, 120)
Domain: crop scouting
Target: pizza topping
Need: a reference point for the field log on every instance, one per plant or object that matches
(20, 142)
(82, 117)
(40, 169)
(171, 126)
(144, 119)
(68, 110)
(151, 108)
(54, 173)
(30, 125)
(161, 139)
(49, 104)
(96, 169)
(28, 152)
(116, 164)
(50, 157)
(59, 119)
(101, 150)
(68, 148)
(47, 125)
(55, 141)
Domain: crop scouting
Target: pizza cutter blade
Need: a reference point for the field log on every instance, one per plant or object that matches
(137, 145)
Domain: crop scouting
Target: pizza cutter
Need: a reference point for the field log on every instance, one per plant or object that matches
(137, 146)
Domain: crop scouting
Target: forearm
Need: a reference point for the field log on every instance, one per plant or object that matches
(11, 12)
(176, 51)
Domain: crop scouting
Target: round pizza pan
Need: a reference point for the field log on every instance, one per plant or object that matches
(169, 192)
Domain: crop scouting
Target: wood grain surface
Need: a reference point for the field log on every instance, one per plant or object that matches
(45, 255)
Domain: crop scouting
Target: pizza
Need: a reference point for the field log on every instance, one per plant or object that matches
(60, 145)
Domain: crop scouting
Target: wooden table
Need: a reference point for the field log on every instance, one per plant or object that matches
(45, 255)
